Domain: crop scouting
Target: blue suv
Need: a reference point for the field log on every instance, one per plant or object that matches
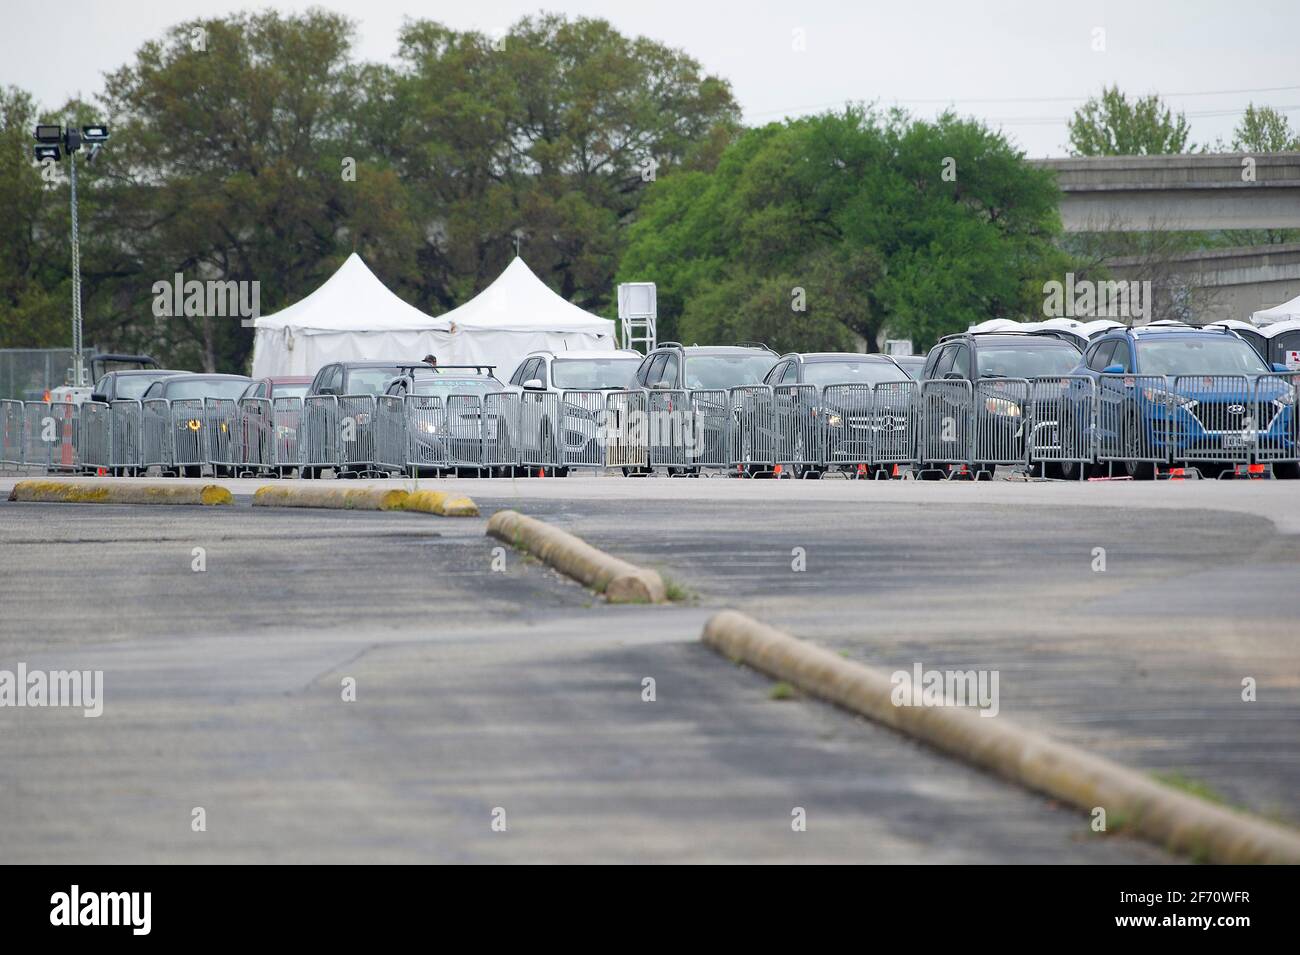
(1186, 394)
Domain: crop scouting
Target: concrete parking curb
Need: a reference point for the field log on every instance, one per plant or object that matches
(618, 580)
(1133, 801)
(349, 499)
(441, 502)
(108, 492)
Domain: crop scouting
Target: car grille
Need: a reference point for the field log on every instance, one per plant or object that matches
(1221, 416)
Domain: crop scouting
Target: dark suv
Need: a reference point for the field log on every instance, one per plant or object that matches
(995, 364)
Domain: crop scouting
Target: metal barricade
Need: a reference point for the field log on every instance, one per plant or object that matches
(464, 431)
(582, 427)
(251, 443)
(626, 429)
(540, 428)
(286, 433)
(1061, 419)
(65, 455)
(947, 428)
(126, 426)
(318, 442)
(390, 433)
(666, 436)
(11, 432)
(710, 419)
(1001, 410)
(1213, 418)
(1276, 397)
(156, 433)
(220, 418)
(895, 422)
(189, 440)
(427, 431)
(96, 435)
(502, 449)
(1132, 418)
(847, 425)
(356, 432)
(39, 435)
(753, 432)
(797, 427)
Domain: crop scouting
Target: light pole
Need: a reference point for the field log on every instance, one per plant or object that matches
(52, 141)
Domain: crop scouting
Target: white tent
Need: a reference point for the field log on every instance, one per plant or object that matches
(516, 314)
(352, 317)
(1278, 313)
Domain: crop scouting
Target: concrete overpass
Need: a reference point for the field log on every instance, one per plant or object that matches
(1184, 193)
(1224, 283)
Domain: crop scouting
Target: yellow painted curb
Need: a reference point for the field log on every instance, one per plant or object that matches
(618, 580)
(1174, 819)
(111, 492)
(349, 499)
(441, 502)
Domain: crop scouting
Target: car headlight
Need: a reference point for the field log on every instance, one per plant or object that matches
(1286, 399)
(1002, 406)
(193, 424)
(835, 421)
(1160, 396)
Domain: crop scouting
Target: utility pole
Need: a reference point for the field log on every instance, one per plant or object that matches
(52, 141)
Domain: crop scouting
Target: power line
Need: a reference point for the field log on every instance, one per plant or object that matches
(1020, 99)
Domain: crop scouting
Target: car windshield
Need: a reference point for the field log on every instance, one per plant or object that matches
(370, 381)
(1026, 361)
(592, 374)
(1199, 356)
(851, 372)
(912, 365)
(134, 386)
(207, 388)
(726, 371)
(442, 387)
(291, 391)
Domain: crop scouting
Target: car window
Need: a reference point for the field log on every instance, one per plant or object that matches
(1211, 355)
(851, 372)
(444, 386)
(212, 388)
(961, 361)
(655, 367)
(1027, 361)
(370, 381)
(668, 376)
(1101, 356)
(791, 373)
(726, 371)
(1121, 355)
(590, 374)
(944, 364)
(774, 376)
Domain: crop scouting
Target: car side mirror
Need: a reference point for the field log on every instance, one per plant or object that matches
(1278, 366)
(534, 384)
(1113, 370)
(103, 399)
(952, 376)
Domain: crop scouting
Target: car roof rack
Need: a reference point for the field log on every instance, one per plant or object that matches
(761, 345)
(670, 345)
(421, 366)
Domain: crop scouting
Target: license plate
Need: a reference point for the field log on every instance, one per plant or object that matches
(1235, 441)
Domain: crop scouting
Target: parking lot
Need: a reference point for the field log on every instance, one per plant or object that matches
(518, 690)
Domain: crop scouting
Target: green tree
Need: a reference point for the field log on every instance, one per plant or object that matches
(1111, 125)
(1264, 130)
(550, 133)
(230, 142)
(883, 222)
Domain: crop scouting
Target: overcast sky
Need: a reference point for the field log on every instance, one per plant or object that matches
(1021, 65)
